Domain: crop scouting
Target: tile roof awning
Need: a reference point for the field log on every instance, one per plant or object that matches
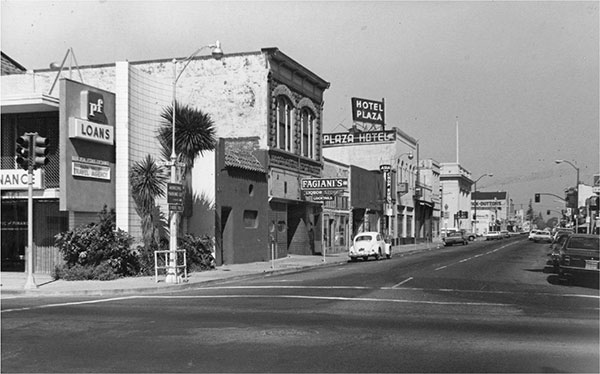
(243, 160)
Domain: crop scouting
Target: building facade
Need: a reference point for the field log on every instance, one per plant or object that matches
(264, 95)
(494, 211)
(456, 183)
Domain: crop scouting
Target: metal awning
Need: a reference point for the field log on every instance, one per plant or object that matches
(29, 103)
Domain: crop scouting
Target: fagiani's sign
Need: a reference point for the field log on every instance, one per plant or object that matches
(17, 179)
(308, 184)
(364, 110)
(366, 137)
(91, 131)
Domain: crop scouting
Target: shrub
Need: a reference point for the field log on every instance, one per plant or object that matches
(198, 251)
(89, 250)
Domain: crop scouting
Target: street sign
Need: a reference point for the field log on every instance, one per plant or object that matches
(175, 193)
(175, 208)
(323, 197)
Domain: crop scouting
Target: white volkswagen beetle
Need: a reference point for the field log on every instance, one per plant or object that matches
(369, 244)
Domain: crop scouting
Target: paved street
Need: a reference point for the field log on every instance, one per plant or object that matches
(484, 307)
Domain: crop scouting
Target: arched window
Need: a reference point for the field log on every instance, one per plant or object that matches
(284, 124)
(307, 120)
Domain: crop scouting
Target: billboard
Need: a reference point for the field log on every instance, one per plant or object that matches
(364, 110)
(358, 138)
(87, 147)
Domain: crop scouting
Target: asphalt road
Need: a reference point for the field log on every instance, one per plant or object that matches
(484, 307)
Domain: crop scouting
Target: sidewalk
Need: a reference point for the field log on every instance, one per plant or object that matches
(13, 284)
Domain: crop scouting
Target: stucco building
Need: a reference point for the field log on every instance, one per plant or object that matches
(265, 96)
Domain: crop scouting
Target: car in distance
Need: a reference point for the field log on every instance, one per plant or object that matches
(469, 235)
(542, 236)
(504, 234)
(493, 235)
(455, 238)
(532, 234)
(579, 257)
(369, 244)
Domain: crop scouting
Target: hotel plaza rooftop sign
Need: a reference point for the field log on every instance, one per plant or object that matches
(364, 110)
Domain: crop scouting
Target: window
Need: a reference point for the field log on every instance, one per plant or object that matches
(250, 219)
(307, 119)
(284, 124)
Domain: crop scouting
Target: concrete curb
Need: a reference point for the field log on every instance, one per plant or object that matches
(162, 288)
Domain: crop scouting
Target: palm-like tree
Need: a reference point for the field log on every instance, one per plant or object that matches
(147, 184)
(194, 133)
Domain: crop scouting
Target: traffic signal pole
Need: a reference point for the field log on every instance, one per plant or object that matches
(30, 281)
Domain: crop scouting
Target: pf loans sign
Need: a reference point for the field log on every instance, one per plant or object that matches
(364, 110)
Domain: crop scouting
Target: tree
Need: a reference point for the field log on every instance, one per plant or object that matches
(148, 183)
(530, 213)
(194, 134)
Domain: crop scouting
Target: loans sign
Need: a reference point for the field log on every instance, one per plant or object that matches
(313, 184)
(364, 110)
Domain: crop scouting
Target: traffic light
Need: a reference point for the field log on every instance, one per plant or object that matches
(537, 197)
(40, 152)
(23, 148)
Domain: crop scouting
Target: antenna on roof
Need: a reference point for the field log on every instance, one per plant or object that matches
(54, 66)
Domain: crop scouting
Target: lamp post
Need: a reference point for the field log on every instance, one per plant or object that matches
(475, 203)
(410, 157)
(217, 53)
(574, 217)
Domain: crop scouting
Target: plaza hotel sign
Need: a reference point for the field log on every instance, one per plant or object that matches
(92, 126)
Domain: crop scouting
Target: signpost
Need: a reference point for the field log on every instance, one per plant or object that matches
(175, 197)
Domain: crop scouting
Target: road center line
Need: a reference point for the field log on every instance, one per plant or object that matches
(479, 255)
(401, 283)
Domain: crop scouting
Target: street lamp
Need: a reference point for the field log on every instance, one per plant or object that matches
(574, 167)
(576, 190)
(475, 204)
(217, 53)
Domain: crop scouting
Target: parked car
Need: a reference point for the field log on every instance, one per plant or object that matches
(554, 255)
(447, 230)
(369, 244)
(579, 257)
(455, 238)
(561, 231)
(469, 235)
(542, 236)
(504, 234)
(493, 235)
(532, 233)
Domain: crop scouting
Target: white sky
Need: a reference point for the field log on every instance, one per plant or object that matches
(522, 77)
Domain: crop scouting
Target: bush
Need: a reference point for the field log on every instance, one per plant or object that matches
(198, 251)
(90, 250)
(104, 271)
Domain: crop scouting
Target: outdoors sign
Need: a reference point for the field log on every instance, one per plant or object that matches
(403, 188)
(364, 110)
(17, 179)
(323, 184)
(358, 138)
(175, 194)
